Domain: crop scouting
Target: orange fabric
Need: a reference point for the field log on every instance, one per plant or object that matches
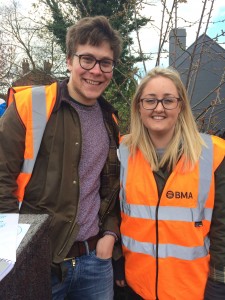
(22, 181)
(177, 278)
(115, 118)
(116, 121)
(141, 186)
(23, 99)
(10, 97)
(14, 90)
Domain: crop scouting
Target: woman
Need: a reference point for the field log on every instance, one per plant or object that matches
(172, 196)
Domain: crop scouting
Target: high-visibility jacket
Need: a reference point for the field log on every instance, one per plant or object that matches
(34, 105)
(165, 240)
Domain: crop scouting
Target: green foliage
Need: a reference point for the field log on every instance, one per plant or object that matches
(58, 25)
(122, 15)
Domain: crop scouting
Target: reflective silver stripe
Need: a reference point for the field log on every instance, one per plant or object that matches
(173, 213)
(124, 154)
(39, 119)
(166, 212)
(166, 250)
(205, 174)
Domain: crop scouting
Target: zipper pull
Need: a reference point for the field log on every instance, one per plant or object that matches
(73, 262)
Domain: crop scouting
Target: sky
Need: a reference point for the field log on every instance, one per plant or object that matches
(188, 13)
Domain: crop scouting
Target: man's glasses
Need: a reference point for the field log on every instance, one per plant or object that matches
(168, 103)
(87, 62)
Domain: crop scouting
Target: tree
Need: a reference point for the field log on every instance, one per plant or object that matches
(7, 56)
(29, 40)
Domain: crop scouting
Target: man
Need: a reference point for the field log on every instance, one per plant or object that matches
(74, 174)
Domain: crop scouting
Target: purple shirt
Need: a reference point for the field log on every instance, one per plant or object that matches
(95, 148)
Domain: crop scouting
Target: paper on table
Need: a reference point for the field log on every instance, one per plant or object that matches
(21, 232)
(11, 235)
(5, 267)
(8, 233)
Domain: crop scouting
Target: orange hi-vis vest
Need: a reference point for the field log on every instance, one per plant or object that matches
(166, 240)
(34, 105)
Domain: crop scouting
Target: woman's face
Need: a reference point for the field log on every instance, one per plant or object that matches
(160, 122)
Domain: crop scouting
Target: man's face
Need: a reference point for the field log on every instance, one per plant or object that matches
(85, 86)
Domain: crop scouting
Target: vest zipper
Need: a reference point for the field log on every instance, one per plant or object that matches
(157, 250)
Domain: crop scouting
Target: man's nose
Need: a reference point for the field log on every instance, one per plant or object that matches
(96, 68)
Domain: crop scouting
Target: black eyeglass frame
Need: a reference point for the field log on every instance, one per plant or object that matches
(159, 101)
(97, 61)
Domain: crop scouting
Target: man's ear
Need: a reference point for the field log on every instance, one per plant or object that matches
(69, 64)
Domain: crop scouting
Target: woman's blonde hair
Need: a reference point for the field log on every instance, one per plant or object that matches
(186, 139)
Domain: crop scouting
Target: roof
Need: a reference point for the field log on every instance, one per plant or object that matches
(203, 41)
(35, 77)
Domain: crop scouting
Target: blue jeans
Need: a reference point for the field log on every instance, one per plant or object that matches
(90, 279)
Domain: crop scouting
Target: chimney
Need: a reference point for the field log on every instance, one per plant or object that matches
(25, 66)
(177, 45)
(47, 67)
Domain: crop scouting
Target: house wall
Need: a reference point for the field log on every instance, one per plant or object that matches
(206, 87)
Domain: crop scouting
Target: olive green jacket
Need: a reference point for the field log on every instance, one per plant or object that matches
(54, 186)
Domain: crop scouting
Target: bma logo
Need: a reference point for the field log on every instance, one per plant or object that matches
(179, 195)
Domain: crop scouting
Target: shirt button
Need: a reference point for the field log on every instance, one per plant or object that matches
(74, 182)
(76, 143)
